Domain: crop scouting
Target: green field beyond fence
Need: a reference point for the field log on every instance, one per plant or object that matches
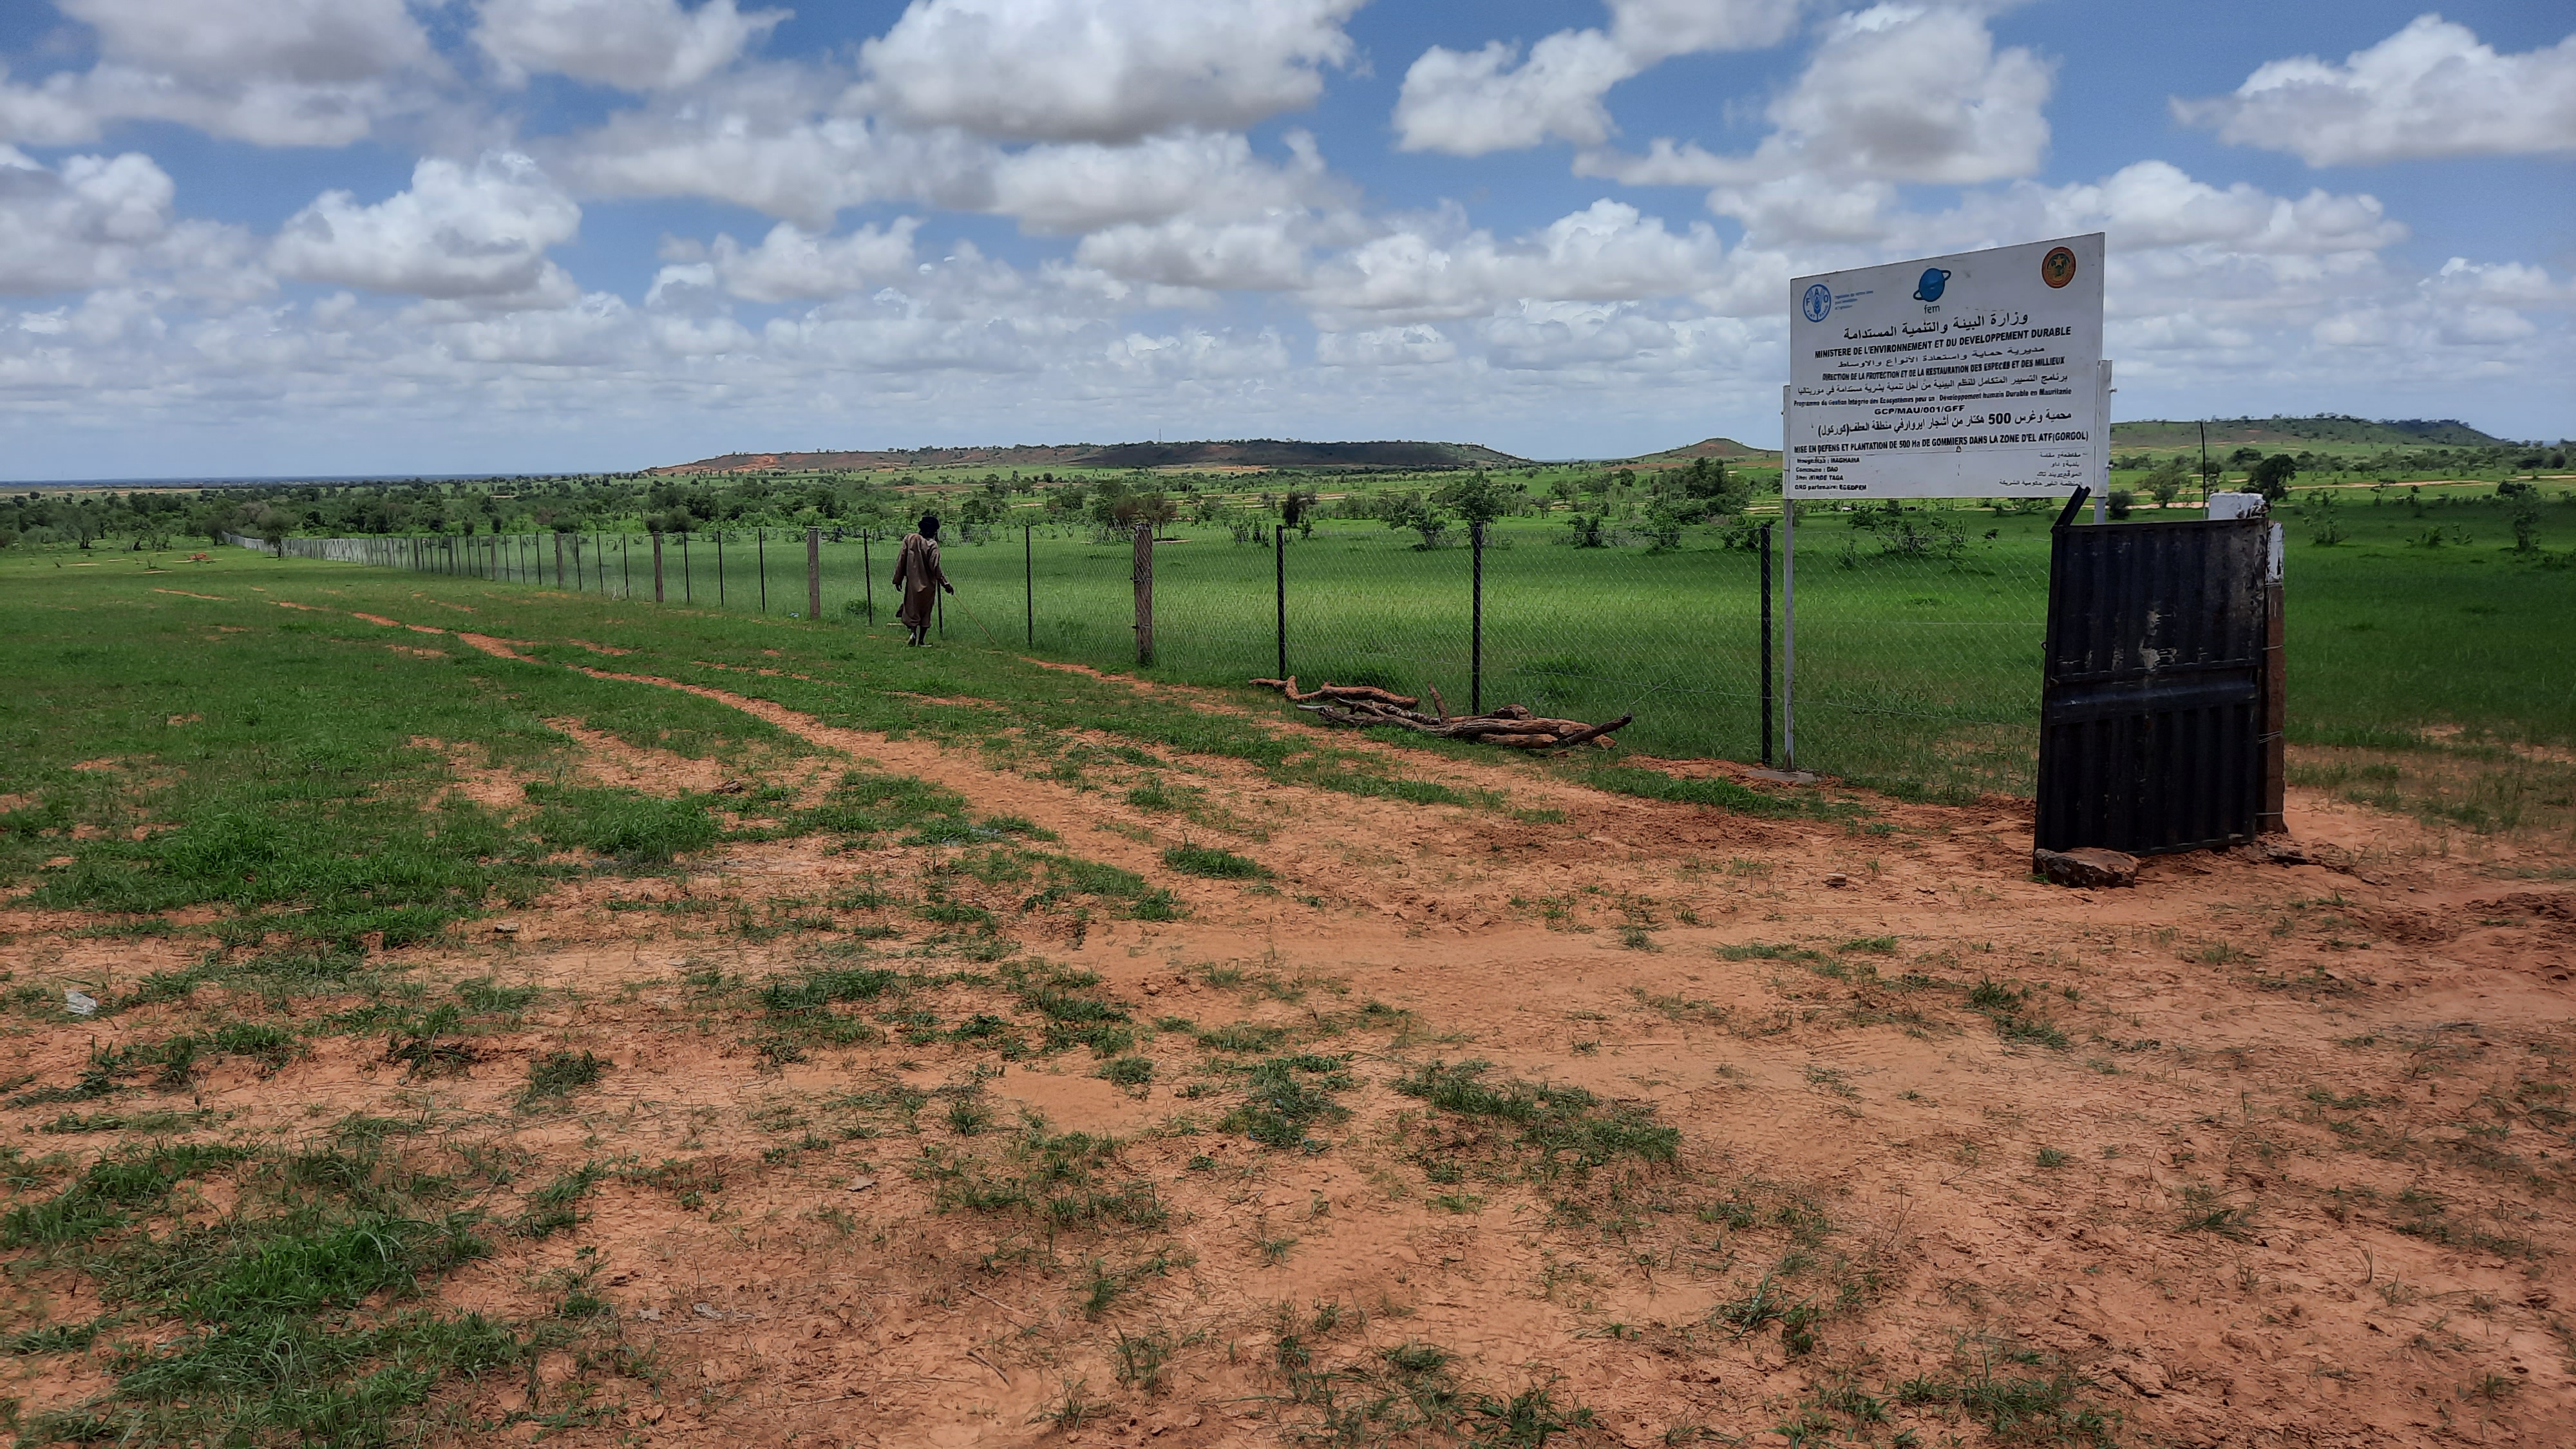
(1918, 630)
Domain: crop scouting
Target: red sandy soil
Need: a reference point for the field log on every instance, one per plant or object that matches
(2306, 1135)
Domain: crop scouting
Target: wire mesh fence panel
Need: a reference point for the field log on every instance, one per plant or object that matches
(991, 571)
(1919, 638)
(1919, 626)
(1593, 624)
(1367, 606)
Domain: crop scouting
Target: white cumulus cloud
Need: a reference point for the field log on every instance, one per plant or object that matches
(463, 234)
(271, 72)
(1200, 174)
(1896, 92)
(637, 45)
(2432, 89)
(1437, 268)
(1471, 103)
(1187, 252)
(1104, 70)
(103, 221)
(793, 264)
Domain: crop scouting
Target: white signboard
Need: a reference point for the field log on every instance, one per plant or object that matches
(1971, 375)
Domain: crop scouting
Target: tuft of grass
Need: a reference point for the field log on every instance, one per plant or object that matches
(556, 1206)
(1069, 1411)
(1243, 1037)
(1285, 1096)
(2003, 1005)
(2021, 1409)
(1207, 860)
(1526, 1420)
(103, 1197)
(555, 1075)
(1561, 1126)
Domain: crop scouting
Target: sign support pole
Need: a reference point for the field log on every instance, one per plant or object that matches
(1788, 598)
(2102, 416)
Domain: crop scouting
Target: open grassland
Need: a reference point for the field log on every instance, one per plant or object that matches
(526, 1016)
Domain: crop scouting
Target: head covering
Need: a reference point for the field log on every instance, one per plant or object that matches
(930, 525)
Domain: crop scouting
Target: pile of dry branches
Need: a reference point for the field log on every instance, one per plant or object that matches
(1512, 726)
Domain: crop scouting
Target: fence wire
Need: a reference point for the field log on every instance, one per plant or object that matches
(1918, 628)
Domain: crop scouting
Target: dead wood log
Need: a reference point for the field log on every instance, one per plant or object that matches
(1348, 692)
(1599, 731)
(1512, 726)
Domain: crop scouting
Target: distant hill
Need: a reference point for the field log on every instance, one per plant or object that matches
(1237, 453)
(1705, 448)
(2323, 428)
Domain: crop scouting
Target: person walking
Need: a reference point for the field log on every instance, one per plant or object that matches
(916, 573)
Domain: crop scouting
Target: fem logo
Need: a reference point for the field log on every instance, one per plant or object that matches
(1929, 289)
(1818, 303)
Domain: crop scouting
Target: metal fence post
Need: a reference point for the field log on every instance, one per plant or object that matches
(1476, 618)
(760, 546)
(868, 575)
(720, 590)
(625, 569)
(813, 573)
(1766, 644)
(657, 568)
(1788, 597)
(1279, 568)
(1144, 579)
(688, 586)
(559, 569)
(1029, 578)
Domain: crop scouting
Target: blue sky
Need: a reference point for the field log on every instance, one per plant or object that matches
(246, 237)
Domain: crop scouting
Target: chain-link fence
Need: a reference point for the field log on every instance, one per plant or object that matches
(1916, 647)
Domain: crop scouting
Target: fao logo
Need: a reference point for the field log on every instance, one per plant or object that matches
(1818, 303)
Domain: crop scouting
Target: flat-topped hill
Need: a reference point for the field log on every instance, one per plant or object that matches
(1234, 453)
(2322, 428)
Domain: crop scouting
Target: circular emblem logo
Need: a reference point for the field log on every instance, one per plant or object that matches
(1818, 303)
(2058, 267)
(1929, 289)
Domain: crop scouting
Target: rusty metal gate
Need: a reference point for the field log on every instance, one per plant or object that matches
(2159, 722)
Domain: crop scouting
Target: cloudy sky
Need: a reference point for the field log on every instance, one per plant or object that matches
(266, 237)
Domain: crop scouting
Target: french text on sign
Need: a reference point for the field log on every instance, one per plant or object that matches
(1983, 383)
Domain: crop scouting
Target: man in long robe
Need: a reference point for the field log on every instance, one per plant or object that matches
(916, 575)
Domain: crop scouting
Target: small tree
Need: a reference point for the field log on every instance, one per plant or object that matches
(2165, 483)
(2271, 477)
(1476, 498)
(2525, 518)
(1149, 509)
(2329, 520)
(1668, 517)
(1409, 510)
(1294, 511)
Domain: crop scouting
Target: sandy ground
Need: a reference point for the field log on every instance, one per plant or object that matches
(2296, 1175)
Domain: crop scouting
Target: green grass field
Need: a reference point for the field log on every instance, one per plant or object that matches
(1915, 662)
